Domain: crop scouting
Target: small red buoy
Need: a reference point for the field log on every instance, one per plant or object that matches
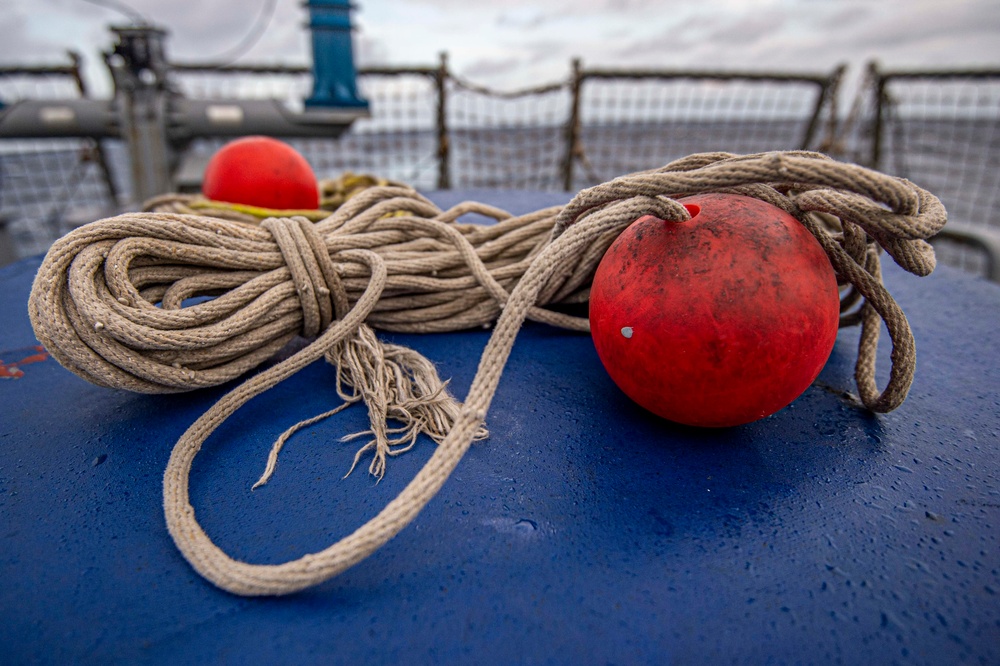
(717, 321)
(261, 171)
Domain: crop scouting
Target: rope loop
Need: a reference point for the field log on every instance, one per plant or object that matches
(313, 272)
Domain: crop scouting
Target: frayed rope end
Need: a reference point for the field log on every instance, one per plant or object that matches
(396, 383)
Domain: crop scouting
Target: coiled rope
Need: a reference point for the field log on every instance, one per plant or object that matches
(111, 303)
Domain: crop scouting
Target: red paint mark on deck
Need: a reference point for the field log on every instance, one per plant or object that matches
(25, 356)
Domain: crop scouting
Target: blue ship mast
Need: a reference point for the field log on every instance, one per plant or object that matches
(334, 77)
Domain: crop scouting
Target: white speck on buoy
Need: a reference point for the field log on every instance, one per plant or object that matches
(627, 331)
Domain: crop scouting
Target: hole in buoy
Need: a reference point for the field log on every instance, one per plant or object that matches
(693, 210)
(627, 331)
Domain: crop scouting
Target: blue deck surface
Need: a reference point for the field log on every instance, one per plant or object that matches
(584, 530)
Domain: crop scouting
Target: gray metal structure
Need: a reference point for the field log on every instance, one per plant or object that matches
(157, 123)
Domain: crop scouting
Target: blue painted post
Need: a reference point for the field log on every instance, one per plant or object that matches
(334, 78)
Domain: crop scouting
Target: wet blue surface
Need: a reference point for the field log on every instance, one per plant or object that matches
(584, 530)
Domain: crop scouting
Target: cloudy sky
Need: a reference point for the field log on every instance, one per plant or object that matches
(516, 43)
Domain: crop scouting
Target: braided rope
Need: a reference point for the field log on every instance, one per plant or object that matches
(388, 258)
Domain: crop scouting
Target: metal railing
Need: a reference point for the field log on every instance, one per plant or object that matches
(940, 129)
(435, 130)
(629, 120)
(40, 179)
(402, 139)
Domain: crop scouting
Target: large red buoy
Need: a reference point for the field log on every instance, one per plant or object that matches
(261, 171)
(717, 321)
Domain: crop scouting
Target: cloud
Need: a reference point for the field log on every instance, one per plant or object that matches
(370, 51)
(528, 19)
(749, 29)
(521, 42)
(952, 22)
(489, 68)
(201, 31)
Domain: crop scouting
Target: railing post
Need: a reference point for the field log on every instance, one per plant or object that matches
(76, 63)
(879, 82)
(572, 126)
(827, 97)
(443, 147)
(99, 153)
